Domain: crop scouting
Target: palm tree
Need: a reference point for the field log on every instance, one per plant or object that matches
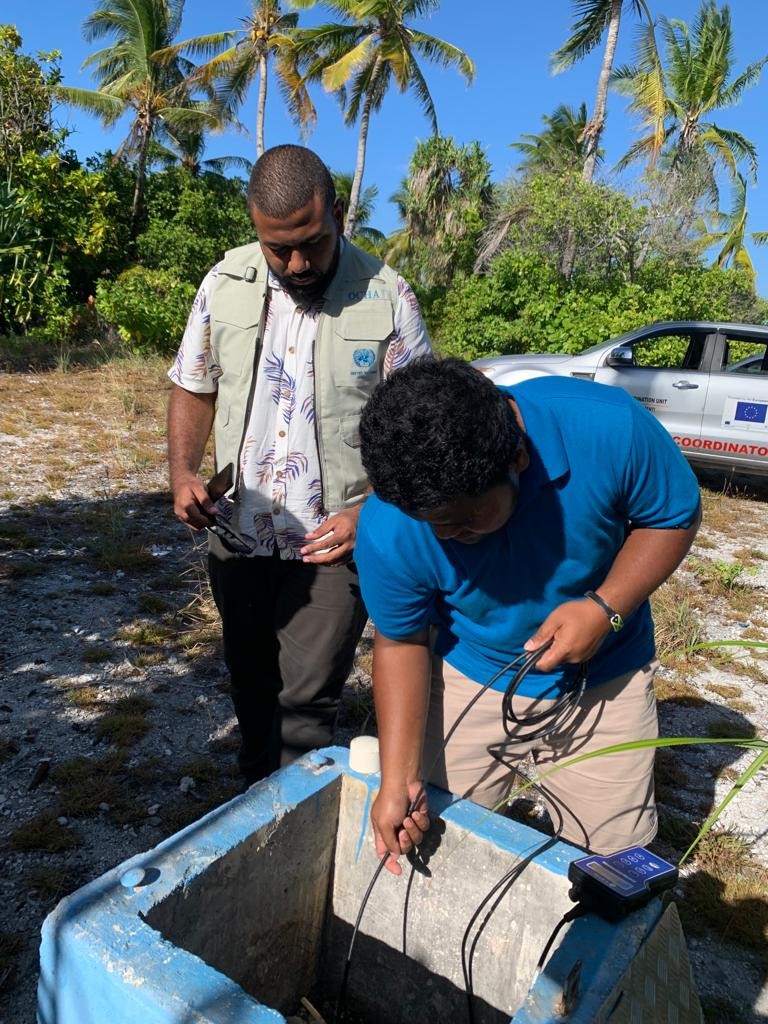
(131, 79)
(595, 18)
(674, 102)
(369, 237)
(266, 32)
(561, 146)
(728, 231)
(186, 151)
(444, 203)
(358, 58)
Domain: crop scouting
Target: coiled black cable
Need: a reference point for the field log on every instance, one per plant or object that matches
(547, 720)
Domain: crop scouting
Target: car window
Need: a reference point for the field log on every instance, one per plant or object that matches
(745, 356)
(669, 352)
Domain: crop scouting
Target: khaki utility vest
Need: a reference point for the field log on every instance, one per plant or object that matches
(353, 334)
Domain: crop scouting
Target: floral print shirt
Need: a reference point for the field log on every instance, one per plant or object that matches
(280, 497)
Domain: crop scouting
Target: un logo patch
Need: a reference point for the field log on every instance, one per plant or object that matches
(364, 358)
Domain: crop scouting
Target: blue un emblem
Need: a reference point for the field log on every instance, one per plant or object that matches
(364, 358)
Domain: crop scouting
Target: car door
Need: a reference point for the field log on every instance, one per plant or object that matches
(735, 424)
(668, 374)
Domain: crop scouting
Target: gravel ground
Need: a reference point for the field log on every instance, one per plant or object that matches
(115, 724)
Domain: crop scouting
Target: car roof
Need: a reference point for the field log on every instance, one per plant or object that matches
(684, 325)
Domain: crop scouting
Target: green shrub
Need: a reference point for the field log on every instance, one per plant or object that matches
(191, 222)
(524, 305)
(149, 308)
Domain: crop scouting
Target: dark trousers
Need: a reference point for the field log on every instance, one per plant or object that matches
(290, 631)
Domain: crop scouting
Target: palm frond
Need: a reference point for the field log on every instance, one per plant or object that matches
(740, 146)
(338, 74)
(200, 46)
(593, 18)
(445, 54)
(108, 108)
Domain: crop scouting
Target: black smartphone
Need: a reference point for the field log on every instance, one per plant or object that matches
(221, 482)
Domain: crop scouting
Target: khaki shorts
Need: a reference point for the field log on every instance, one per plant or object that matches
(606, 803)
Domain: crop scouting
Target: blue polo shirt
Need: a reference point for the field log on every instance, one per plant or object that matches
(599, 461)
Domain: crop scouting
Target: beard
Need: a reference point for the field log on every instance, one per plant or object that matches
(305, 291)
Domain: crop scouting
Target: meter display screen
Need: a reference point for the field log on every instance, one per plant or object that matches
(620, 882)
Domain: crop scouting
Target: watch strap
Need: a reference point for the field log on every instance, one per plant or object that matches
(615, 619)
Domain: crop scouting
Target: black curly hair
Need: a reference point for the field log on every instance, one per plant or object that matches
(435, 431)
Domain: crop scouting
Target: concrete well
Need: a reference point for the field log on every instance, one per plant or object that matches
(234, 919)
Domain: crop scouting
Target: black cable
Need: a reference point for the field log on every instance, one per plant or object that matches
(340, 999)
(552, 718)
(570, 915)
(506, 881)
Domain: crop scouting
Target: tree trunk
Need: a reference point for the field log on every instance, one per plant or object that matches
(357, 180)
(595, 127)
(262, 105)
(141, 177)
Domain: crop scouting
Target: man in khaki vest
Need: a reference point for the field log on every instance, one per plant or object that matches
(285, 342)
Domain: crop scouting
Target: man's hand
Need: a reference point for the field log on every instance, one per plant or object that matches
(576, 629)
(192, 503)
(335, 539)
(190, 418)
(395, 831)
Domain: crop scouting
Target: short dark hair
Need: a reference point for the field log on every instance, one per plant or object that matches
(285, 178)
(436, 431)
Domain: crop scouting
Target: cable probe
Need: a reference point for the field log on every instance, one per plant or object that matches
(546, 721)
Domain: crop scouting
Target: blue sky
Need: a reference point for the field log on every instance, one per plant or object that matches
(510, 43)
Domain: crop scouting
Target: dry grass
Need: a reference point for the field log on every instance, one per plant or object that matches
(14, 537)
(731, 729)
(153, 604)
(126, 721)
(95, 654)
(43, 832)
(720, 513)
(724, 690)
(125, 395)
(675, 689)
(727, 891)
(50, 882)
(145, 633)
(85, 697)
(674, 607)
(749, 555)
(364, 656)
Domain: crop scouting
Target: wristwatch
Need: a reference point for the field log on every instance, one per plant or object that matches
(615, 619)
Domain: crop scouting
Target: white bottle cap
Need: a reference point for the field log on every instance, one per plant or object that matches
(364, 755)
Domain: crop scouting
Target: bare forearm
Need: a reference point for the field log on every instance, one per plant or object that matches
(401, 692)
(647, 558)
(578, 627)
(401, 688)
(190, 421)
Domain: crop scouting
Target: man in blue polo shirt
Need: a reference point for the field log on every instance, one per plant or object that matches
(504, 519)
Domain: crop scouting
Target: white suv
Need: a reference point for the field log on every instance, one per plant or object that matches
(706, 383)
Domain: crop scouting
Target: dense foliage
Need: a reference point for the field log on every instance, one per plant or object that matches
(546, 261)
(632, 262)
(523, 305)
(148, 307)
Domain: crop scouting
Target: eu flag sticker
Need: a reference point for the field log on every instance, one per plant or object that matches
(751, 412)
